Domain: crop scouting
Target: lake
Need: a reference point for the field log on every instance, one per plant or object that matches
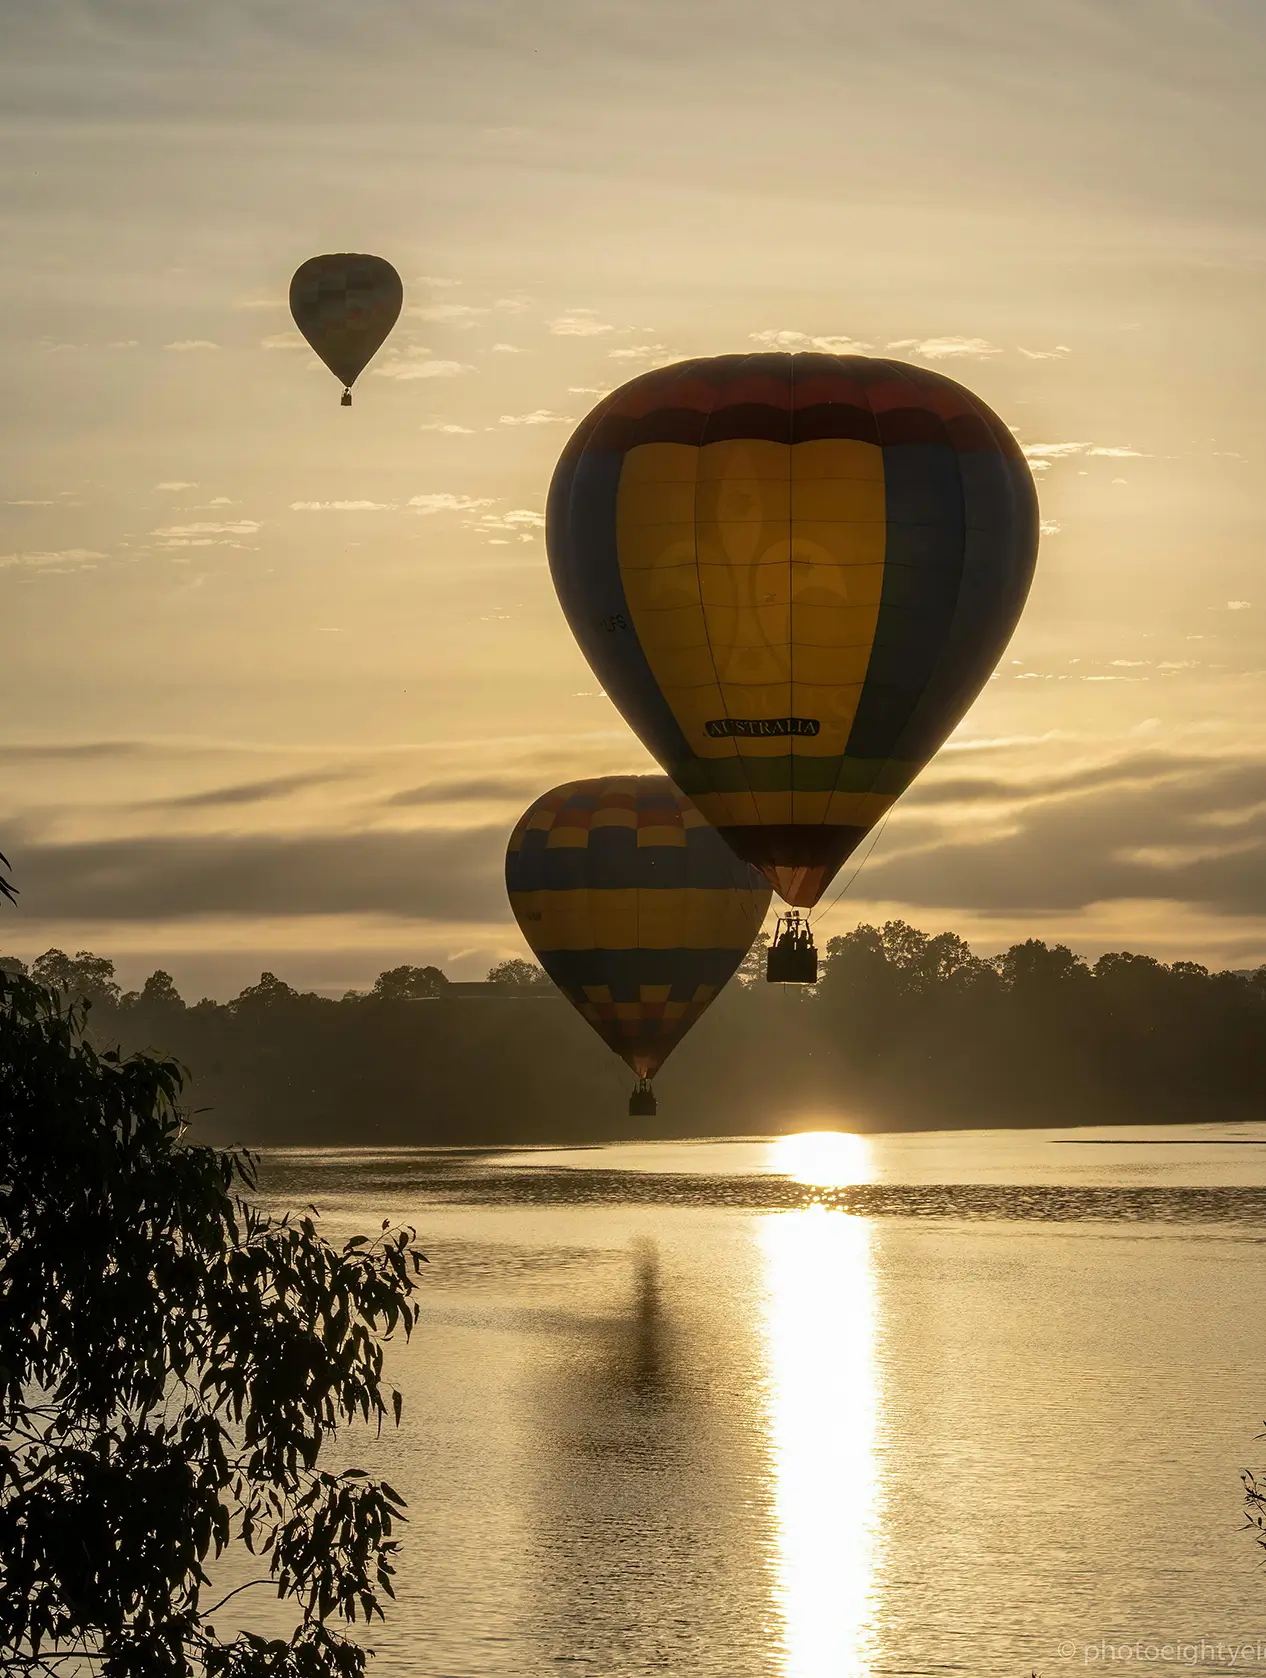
(821, 1405)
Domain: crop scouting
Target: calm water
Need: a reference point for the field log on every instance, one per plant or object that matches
(822, 1406)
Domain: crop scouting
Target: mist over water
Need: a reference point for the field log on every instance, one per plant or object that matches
(821, 1405)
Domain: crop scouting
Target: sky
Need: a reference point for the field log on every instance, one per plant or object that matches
(277, 677)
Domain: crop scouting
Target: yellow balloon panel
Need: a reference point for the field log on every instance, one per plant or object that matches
(753, 572)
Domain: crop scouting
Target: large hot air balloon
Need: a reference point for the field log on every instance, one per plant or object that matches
(635, 908)
(345, 305)
(792, 574)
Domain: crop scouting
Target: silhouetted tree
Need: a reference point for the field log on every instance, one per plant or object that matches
(172, 1364)
(81, 975)
(518, 975)
(408, 984)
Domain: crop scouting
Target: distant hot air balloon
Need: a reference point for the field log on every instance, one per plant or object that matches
(792, 574)
(345, 305)
(635, 908)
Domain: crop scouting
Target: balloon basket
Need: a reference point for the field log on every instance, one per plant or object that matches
(346, 400)
(792, 957)
(642, 1101)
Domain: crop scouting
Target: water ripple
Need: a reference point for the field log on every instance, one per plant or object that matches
(977, 1201)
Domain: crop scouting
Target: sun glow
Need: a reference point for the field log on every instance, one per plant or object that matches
(824, 1158)
(823, 1418)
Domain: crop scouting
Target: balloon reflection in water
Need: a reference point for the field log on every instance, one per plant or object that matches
(824, 1409)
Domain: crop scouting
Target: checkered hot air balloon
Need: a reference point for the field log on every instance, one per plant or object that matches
(636, 909)
(792, 574)
(345, 305)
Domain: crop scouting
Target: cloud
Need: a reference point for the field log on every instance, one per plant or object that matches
(1238, 605)
(203, 527)
(521, 523)
(123, 344)
(404, 369)
(436, 280)
(944, 349)
(515, 305)
(283, 341)
(80, 751)
(442, 503)
(784, 339)
(538, 416)
(453, 314)
(177, 483)
(1150, 825)
(588, 390)
(488, 789)
(192, 344)
(26, 502)
(579, 323)
(508, 349)
(1050, 527)
(1040, 455)
(261, 303)
(449, 427)
(221, 501)
(655, 354)
(1052, 451)
(246, 792)
(63, 559)
(343, 506)
(425, 874)
(1056, 354)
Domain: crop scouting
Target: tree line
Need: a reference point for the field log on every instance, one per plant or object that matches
(904, 1029)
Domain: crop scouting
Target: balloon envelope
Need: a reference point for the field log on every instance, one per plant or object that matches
(634, 906)
(345, 305)
(792, 574)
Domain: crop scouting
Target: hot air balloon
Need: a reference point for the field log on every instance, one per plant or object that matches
(635, 908)
(345, 305)
(792, 574)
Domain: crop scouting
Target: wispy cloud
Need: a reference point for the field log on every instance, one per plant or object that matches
(1057, 354)
(451, 314)
(63, 559)
(508, 349)
(520, 522)
(409, 369)
(1040, 455)
(123, 344)
(26, 501)
(489, 789)
(246, 792)
(448, 426)
(205, 527)
(538, 416)
(652, 354)
(946, 349)
(283, 341)
(343, 506)
(1238, 605)
(176, 484)
(444, 503)
(192, 344)
(579, 323)
(1050, 527)
(782, 338)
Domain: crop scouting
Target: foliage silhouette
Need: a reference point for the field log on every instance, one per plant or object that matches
(905, 1028)
(172, 1364)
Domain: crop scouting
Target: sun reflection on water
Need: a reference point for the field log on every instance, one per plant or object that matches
(823, 1421)
(827, 1158)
